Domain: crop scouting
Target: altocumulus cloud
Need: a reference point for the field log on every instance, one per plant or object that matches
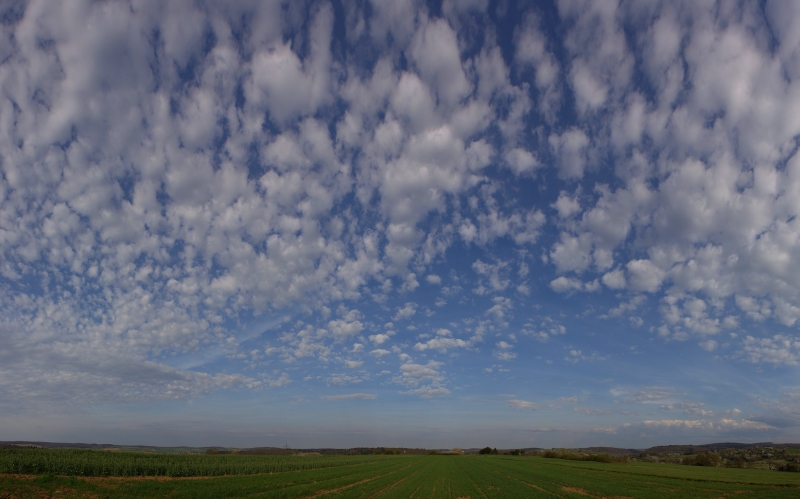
(202, 198)
(351, 396)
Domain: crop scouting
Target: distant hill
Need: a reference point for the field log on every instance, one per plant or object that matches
(694, 449)
(614, 451)
(271, 451)
(108, 447)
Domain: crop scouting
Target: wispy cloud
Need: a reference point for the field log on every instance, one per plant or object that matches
(350, 396)
(521, 404)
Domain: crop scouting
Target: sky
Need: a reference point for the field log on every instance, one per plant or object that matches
(381, 223)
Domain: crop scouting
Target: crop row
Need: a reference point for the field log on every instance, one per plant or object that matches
(101, 463)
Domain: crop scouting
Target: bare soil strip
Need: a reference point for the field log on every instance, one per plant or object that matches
(576, 490)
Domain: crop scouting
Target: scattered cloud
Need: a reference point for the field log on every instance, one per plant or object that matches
(190, 203)
(350, 396)
(522, 404)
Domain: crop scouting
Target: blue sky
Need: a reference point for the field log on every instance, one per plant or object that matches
(516, 224)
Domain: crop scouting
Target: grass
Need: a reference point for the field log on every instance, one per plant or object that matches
(404, 476)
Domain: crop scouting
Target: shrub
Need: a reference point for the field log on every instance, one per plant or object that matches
(702, 459)
(736, 462)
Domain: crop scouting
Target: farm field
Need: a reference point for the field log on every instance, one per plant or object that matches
(388, 477)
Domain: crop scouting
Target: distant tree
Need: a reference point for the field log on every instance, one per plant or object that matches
(703, 459)
(789, 467)
(736, 462)
(485, 450)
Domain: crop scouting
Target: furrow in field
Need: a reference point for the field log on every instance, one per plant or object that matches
(320, 493)
(284, 486)
(572, 485)
(543, 483)
(687, 473)
(320, 477)
(473, 481)
(430, 486)
(415, 490)
(491, 484)
(390, 487)
(532, 485)
(407, 487)
(615, 482)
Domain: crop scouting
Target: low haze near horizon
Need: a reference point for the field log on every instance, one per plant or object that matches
(458, 223)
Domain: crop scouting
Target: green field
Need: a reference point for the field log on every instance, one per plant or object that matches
(370, 476)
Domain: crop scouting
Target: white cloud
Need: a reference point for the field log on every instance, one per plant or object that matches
(780, 349)
(644, 275)
(626, 307)
(522, 404)
(433, 279)
(615, 279)
(646, 395)
(427, 392)
(283, 380)
(434, 50)
(344, 328)
(532, 51)
(408, 311)
(703, 424)
(287, 86)
(441, 344)
(755, 309)
(392, 18)
(501, 308)
(428, 375)
(350, 396)
(571, 253)
(709, 345)
(566, 205)
(413, 374)
(521, 161)
(564, 284)
(496, 274)
(571, 149)
(503, 351)
(379, 339)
